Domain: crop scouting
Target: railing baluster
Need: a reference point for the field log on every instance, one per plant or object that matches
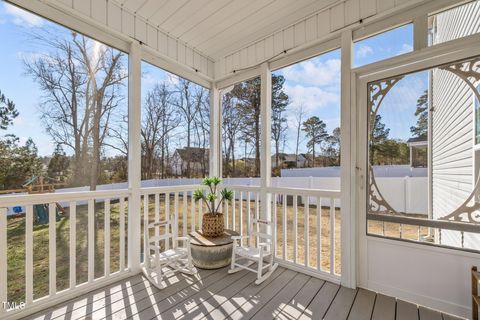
(73, 244)
(306, 213)
(274, 234)
(175, 219)
(3, 257)
(122, 233)
(52, 248)
(91, 239)
(29, 255)
(145, 226)
(184, 213)
(156, 210)
(295, 226)
(332, 236)
(107, 238)
(225, 206)
(241, 213)
(192, 211)
(233, 211)
(167, 215)
(284, 227)
(248, 215)
(319, 233)
(200, 213)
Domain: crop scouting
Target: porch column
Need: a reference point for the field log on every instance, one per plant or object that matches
(347, 163)
(265, 140)
(134, 156)
(215, 155)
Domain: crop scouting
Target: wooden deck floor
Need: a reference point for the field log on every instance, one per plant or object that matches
(213, 294)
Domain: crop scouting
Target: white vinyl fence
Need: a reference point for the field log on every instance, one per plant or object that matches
(407, 194)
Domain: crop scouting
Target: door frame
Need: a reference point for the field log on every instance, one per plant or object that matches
(424, 59)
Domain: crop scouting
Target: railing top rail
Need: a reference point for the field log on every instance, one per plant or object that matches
(31, 199)
(306, 192)
(165, 189)
(290, 191)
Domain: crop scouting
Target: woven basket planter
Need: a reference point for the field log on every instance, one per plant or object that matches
(212, 225)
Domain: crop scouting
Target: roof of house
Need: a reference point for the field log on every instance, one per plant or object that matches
(193, 154)
(288, 157)
(417, 139)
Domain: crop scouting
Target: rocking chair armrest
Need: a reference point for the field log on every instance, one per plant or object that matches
(239, 237)
(187, 239)
(263, 245)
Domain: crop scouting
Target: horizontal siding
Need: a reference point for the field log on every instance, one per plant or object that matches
(452, 142)
(453, 126)
(118, 18)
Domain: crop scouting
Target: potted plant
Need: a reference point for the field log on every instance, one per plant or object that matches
(212, 221)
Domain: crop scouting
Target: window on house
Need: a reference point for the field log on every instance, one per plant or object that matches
(455, 23)
(383, 46)
(403, 112)
(175, 133)
(306, 122)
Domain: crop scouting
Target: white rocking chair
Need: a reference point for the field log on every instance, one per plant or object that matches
(261, 252)
(178, 258)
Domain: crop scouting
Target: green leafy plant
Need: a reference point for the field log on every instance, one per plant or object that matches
(211, 195)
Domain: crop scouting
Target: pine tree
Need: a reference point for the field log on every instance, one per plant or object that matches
(421, 128)
(8, 112)
(315, 130)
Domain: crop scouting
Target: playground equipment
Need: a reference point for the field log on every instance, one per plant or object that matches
(37, 185)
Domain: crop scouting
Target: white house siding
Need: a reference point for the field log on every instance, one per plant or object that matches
(453, 125)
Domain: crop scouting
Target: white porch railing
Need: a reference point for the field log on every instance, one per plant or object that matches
(307, 221)
(77, 206)
(307, 235)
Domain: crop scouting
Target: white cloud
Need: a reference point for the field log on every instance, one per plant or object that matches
(314, 73)
(22, 17)
(364, 51)
(405, 49)
(311, 98)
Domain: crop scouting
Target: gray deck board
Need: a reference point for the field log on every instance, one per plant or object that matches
(283, 297)
(295, 308)
(341, 305)
(363, 305)
(429, 314)
(406, 310)
(205, 307)
(384, 308)
(255, 303)
(214, 294)
(229, 306)
(320, 304)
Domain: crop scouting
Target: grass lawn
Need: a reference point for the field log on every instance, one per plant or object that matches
(16, 242)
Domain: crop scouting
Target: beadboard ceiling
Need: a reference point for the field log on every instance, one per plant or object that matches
(217, 27)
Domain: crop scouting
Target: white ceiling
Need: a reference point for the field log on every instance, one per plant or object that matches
(218, 27)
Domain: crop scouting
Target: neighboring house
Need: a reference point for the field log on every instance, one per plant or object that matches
(418, 152)
(454, 155)
(190, 161)
(287, 160)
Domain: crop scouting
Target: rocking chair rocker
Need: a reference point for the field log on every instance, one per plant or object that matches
(260, 252)
(178, 258)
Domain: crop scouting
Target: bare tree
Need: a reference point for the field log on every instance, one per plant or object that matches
(81, 80)
(159, 120)
(299, 116)
(231, 125)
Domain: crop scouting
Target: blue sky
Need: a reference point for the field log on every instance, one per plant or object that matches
(313, 84)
